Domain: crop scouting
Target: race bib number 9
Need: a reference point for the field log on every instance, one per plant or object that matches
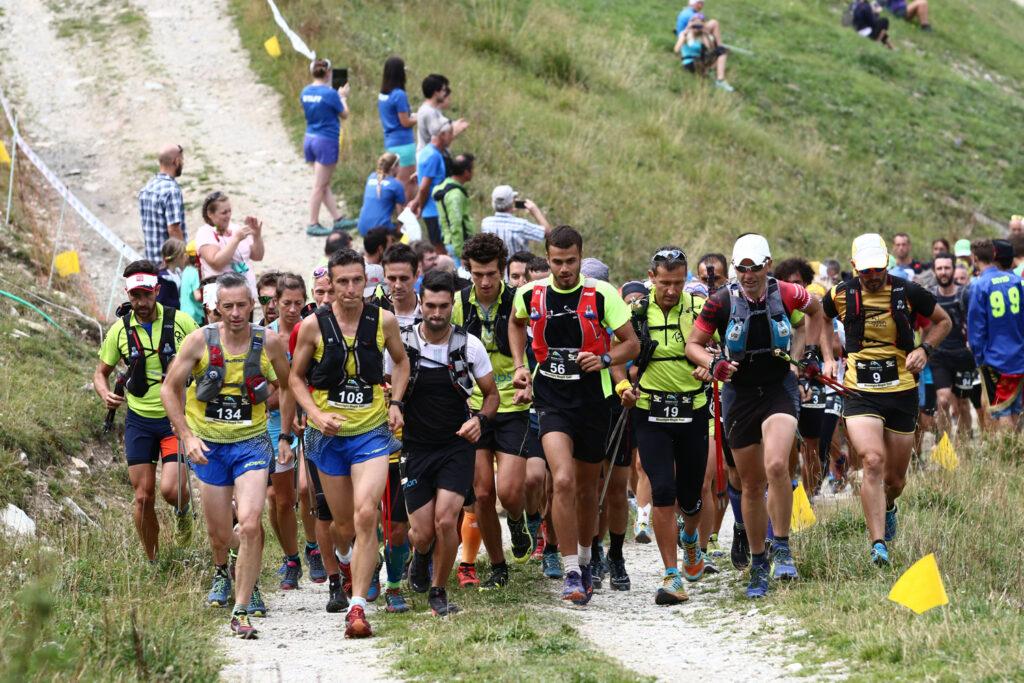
(352, 396)
(229, 410)
(671, 408)
(561, 365)
(877, 374)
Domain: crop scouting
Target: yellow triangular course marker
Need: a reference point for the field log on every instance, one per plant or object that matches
(803, 515)
(67, 263)
(920, 588)
(944, 454)
(272, 47)
(5, 158)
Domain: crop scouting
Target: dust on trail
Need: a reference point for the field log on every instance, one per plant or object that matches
(97, 104)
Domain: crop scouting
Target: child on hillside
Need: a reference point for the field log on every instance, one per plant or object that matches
(191, 292)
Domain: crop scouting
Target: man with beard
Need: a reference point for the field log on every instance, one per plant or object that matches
(161, 206)
(952, 364)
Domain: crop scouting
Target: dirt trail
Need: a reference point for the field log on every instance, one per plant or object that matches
(98, 102)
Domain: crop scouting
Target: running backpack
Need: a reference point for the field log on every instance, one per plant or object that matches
(137, 382)
(458, 364)
(211, 382)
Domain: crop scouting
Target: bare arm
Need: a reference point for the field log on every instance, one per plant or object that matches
(697, 352)
(279, 359)
(521, 377)
(256, 225)
(538, 215)
(172, 390)
(399, 368)
(471, 428)
(174, 230)
(626, 350)
(936, 332)
(407, 119)
(305, 346)
(101, 384)
(220, 257)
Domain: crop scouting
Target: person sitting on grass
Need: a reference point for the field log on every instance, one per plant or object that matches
(700, 51)
(908, 11)
(870, 25)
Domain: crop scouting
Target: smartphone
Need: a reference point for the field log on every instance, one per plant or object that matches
(520, 203)
(339, 77)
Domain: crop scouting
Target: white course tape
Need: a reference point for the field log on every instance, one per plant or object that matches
(297, 42)
(127, 252)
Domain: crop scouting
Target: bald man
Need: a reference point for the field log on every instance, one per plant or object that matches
(1016, 224)
(161, 205)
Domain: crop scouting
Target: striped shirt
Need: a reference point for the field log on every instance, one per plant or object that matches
(160, 205)
(515, 232)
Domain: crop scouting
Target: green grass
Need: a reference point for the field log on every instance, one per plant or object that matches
(581, 105)
(969, 519)
(98, 20)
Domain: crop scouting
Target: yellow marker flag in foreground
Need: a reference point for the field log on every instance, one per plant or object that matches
(5, 158)
(803, 515)
(944, 454)
(272, 46)
(67, 263)
(920, 588)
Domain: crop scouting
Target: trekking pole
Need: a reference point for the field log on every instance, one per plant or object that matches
(108, 423)
(309, 476)
(720, 491)
(180, 464)
(814, 373)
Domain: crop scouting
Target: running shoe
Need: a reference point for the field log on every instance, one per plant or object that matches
(497, 579)
(396, 602)
(740, 552)
(597, 566)
(336, 600)
(439, 605)
(679, 529)
(642, 532)
(183, 526)
(356, 625)
(284, 567)
(879, 555)
(241, 627)
(671, 591)
(232, 559)
(315, 562)
(345, 223)
(346, 577)
(758, 586)
(891, 523)
(220, 593)
(709, 564)
(551, 565)
(256, 606)
(618, 579)
(538, 539)
(724, 86)
(538, 548)
(588, 585)
(573, 589)
(693, 560)
(419, 572)
(467, 575)
(374, 592)
(715, 550)
(292, 574)
(522, 541)
(782, 563)
(317, 230)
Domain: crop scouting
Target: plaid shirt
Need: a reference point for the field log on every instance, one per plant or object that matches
(160, 205)
(515, 232)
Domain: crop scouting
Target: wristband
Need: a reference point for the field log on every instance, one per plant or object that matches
(518, 367)
(400, 404)
(621, 387)
(284, 437)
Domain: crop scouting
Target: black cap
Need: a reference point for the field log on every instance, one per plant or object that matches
(1003, 249)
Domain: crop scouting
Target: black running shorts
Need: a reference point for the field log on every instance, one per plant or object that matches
(896, 409)
(506, 433)
(746, 408)
(426, 468)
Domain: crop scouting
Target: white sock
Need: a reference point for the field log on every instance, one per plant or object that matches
(571, 563)
(346, 558)
(584, 554)
(647, 511)
(357, 602)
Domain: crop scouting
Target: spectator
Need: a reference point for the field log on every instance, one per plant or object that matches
(426, 254)
(916, 8)
(518, 264)
(926, 278)
(439, 97)
(868, 24)
(430, 170)
(173, 259)
(339, 239)
(376, 243)
(700, 52)
(516, 232)
(384, 196)
(323, 106)
(962, 252)
(1016, 224)
(161, 206)
(1017, 241)
(962, 275)
(833, 272)
(452, 200)
(397, 121)
(539, 268)
(266, 288)
(191, 295)
(693, 11)
(374, 279)
(906, 267)
(223, 246)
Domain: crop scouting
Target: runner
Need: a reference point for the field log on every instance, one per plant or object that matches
(438, 454)
(760, 398)
(146, 338)
(952, 363)
(223, 428)
(569, 315)
(484, 309)
(349, 426)
(669, 411)
(882, 358)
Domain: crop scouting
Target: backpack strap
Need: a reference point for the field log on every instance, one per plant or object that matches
(208, 386)
(458, 363)
(411, 342)
(166, 348)
(256, 384)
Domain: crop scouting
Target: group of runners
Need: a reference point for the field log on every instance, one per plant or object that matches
(397, 417)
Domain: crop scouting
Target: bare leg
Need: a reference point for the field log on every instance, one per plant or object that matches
(283, 509)
(405, 176)
(143, 479)
(720, 66)
(486, 514)
(446, 515)
(558, 448)
(778, 433)
(867, 434)
(321, 191)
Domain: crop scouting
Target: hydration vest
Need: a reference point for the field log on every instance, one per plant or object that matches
(497, 325)
(211, 382)
(642, 327)
(899, 308)
(458, 363)
(596, 339)
(331, 371)
(137, 380)
(737, 333)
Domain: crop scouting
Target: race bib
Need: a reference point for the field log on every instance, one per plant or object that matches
(671, 408)
(560, 365)
(964, 379)
(834, 405)
(352, 396)
(877, 374)
(229, 410)
(816, 399)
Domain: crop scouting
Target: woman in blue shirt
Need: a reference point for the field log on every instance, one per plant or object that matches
(397, 120)
(384, 195)
(324, 107)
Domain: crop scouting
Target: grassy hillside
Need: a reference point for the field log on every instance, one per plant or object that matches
(581, 105)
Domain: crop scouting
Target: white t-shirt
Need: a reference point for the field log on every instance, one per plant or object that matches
(243, 253)
(436, 356)
(424, 116)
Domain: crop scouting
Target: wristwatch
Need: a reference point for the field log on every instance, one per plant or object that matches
(606, 359)
(483, 420)
(400, 404)
(927, 348)
(284, 437)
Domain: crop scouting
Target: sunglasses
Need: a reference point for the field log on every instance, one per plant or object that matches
(264, 300)
(749, 269)
(871, 271)
(320, 272)
(668, 255)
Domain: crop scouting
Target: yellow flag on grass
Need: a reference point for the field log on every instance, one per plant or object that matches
(920, 588)
(5, 158)
(944, 454)
(272, 47)
(803, 515)
(67, 263)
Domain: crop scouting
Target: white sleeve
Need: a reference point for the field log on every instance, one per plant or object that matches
(477, 356)
(389, 364)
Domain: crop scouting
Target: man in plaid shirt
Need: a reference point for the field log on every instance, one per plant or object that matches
(515, 232)
(161, 206)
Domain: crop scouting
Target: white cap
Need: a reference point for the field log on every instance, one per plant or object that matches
(144, 281)
(503, 197)
(869, 252)
(374, 277)
(753, 247)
